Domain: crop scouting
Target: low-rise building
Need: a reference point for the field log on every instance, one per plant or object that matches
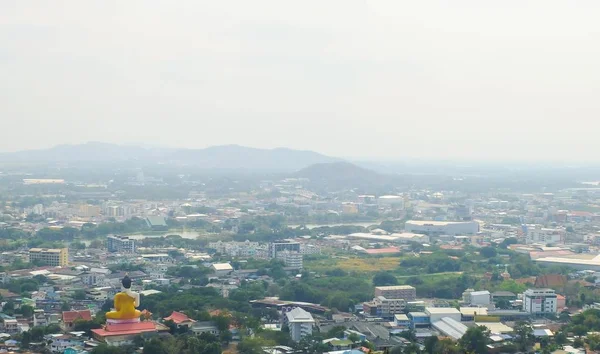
(540, 301)
(222, 269)
(56, 257)
(406, 292)
(437, 313)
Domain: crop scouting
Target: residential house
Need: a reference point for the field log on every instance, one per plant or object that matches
(69, 318)
(205, 327)
(180, 319)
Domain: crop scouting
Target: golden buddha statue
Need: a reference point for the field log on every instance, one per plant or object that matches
(125, 304)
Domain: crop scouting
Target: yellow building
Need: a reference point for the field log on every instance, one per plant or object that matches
(50, 256)
(350, 208)
(88, 210)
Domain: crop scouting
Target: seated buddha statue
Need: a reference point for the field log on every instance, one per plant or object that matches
(125, 303)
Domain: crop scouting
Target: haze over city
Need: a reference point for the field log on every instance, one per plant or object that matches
(380, 80)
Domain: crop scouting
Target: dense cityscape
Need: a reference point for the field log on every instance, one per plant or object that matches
(296, 262)
(299, 177)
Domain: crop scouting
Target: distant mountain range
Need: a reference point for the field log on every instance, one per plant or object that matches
(217, 157)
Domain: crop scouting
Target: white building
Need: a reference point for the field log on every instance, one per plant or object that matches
(121, 244)
(309, 249)
(478, 298)
(387, 307)
(538, 301)
(394, 201)
(437, 313)
(291, 259)
(222, 269)
(539, 234)
(299, 322)
(235, 249)
(442, 227)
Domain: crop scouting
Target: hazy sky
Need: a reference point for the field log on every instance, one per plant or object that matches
(388, 79)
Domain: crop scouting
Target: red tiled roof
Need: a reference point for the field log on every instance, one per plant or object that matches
(178, 318)
(71, 316)
(550, 280)
(383, 250)
(119, 329)
(7, 294)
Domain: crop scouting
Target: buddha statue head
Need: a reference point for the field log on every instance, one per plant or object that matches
(126, 282)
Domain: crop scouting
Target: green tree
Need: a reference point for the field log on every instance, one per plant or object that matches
(354, 338)
(430, 344)
(336, 332)
(475, 340)
(524, 334)
(488, 252)
(154, 346)
(253, 345)
(384, 278)
(26, 311)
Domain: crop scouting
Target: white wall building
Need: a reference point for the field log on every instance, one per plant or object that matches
(387, 307)
(539, 234)
(442, 227)
(437, 313)
(480, 298)
(538, 301)
(291, 259)
(222, 269)
(300, 323)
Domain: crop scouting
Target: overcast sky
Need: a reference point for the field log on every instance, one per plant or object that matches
(382, 79)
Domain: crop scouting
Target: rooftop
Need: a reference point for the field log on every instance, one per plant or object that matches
(298, 315)
(222, 266)
(441, 310)
(395, 287)
(178, 317)
(436, 223)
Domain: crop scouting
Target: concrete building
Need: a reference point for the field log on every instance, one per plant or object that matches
(222, 269)
(291, 259)
(300, 323)
(275, 247)
(539, 301)
(477, 298)
(539, 234)
(401, 320)
(50, 256)
(418, 320)
(88, 210)
(406, 292)
(437, 313)
(392, 201)
(434, 228)
(388, 307)
(120, 244)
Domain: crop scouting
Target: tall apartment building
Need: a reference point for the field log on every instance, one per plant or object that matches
(291, 259)
(538, 301)
(405, 292)
(50, 256)
(275, 247)
(121, 244)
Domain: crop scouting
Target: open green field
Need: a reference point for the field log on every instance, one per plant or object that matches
(354, 264)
